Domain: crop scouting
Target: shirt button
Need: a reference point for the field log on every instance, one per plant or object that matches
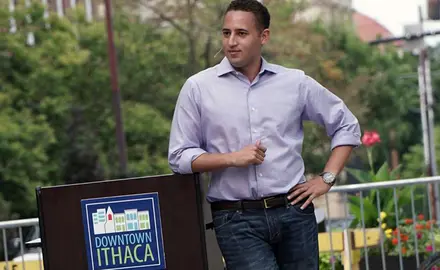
(260, 174)
(254, 131)
(253, 109)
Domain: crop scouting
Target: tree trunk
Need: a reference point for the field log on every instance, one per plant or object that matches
(192, 56)
(207, 52)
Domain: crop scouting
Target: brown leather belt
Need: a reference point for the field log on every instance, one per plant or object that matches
(265, 203)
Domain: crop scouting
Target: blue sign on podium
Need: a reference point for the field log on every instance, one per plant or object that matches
(123, 232)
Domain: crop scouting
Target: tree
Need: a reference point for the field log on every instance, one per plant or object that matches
(339, 60)
(434, 54)
(23, 163)
(151, 63)
(27, 107)
(374, 87)
(414, 159)
(57, 120)
(181, 16)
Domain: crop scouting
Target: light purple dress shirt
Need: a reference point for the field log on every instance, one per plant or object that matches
(219, 111)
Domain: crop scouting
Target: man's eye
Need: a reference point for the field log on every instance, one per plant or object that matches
(242, 34)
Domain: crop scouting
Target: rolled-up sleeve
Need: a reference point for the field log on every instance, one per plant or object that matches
(325, 108)
(185, 135)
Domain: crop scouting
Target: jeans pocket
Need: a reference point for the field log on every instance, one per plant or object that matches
(308, 211)
(223, 217)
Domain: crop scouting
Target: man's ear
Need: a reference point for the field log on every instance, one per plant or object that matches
(265, 36)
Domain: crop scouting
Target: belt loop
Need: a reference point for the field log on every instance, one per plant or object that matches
(209, 226)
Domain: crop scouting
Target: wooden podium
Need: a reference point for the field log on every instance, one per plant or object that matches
(155, 222)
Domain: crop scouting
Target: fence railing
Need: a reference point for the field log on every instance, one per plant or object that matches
(383, 225)
(14, 235)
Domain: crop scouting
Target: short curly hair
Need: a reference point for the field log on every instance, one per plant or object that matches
(258, 9)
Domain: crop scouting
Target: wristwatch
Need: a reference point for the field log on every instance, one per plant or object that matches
(328, 177)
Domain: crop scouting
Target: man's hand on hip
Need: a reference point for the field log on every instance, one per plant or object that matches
(249, 155)
(311, 189)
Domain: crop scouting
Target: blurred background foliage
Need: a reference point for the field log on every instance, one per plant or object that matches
(57, 122)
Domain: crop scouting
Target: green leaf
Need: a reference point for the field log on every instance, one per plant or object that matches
(369, 213)
(360, 175)
(383, 174)
(394, 174)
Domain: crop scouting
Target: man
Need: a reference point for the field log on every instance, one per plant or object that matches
(241, 121)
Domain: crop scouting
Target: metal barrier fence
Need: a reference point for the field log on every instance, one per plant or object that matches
(382, 225)
(23, 258)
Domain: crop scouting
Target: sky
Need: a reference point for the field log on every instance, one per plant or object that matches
(394, 14)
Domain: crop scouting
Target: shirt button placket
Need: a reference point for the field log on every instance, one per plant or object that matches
(254, 136)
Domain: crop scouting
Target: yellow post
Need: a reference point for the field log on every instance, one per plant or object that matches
(355, 259)
(349, 243)
(28, 265)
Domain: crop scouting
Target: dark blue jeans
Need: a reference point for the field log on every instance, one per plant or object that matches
(283, 238)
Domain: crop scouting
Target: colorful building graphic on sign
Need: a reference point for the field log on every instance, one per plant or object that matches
(123, 232)
(105, 221)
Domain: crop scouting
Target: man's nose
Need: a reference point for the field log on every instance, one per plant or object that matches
(232, 40)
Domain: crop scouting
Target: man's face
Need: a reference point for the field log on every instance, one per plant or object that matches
(242, 39)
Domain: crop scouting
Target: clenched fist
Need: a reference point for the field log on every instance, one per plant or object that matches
(250, 155)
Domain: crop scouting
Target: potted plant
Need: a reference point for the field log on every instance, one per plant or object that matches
(369, 199)
(326, 260)
(370, 218)
(409, 237)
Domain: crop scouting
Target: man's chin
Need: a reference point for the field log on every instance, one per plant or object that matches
(236, 63)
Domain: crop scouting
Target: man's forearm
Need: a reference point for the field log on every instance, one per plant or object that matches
(211, 162)
(338, 158)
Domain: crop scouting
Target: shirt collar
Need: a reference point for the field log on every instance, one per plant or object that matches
(225, 67)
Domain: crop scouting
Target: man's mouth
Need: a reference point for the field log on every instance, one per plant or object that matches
(234, 52)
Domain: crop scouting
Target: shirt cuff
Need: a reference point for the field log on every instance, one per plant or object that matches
(346, 138)
(188, 156)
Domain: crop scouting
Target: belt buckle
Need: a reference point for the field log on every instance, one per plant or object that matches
(265, 202)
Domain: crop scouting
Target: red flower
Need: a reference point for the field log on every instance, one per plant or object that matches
(429, 248)
(370, 138)
(421, 217)
(404, 237)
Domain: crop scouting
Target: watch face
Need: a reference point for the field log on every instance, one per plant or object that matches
(328, 177)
